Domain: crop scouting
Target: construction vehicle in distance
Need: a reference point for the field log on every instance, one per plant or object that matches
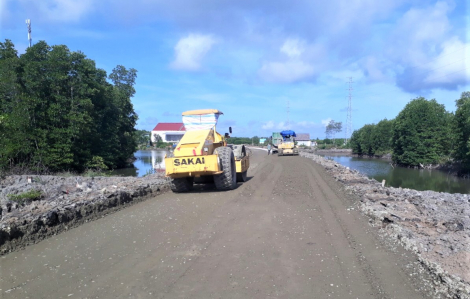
(202, 155)
(287, 146)
(276, 139)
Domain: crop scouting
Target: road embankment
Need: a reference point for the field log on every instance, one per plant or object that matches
(63, 203)
(333, 151)
(434, 225)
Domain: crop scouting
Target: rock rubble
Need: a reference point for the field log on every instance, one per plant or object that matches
(64, 202)
(434, 225)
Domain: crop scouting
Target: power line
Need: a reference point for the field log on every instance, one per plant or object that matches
(447, 54)
(448, 74)
(453, 62)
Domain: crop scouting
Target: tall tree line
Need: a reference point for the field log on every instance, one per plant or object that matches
(58, 111)
(423, 133)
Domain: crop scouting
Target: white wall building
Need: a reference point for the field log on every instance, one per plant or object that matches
(303, 139)
(169, 132)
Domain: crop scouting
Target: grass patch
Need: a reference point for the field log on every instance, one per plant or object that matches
(90, 173)
(26, 197)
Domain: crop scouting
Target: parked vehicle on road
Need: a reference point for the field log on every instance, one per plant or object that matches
(276, 139)
(287, 146)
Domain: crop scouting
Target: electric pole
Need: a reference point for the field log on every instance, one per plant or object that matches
(28, 24)
(349, 113)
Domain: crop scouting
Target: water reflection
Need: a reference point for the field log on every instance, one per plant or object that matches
(146, 162)
(418, 179)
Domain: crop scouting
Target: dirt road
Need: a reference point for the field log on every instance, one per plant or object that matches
(288, 232)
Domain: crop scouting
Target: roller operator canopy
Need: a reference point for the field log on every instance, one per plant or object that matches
(202, 111)
(204, 119)
(288, 133)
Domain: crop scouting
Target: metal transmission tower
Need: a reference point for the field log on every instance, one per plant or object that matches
(349, 116)
(28, 24)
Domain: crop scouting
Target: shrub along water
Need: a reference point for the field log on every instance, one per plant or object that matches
(58, 111)
(423, 133)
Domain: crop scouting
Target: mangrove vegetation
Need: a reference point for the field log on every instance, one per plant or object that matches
(58, 111)
(422, 134)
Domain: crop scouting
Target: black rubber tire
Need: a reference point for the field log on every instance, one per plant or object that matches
(241, 177)
(228, 179)
(279, 153)
(180, 185)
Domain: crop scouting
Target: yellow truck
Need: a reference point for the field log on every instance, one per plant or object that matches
(202, 155)
(287, 145)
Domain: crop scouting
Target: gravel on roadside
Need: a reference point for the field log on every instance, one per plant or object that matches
(35, 207)
(435, 225)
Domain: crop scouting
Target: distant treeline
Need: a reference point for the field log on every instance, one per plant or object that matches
(423, 133)
(243, 140)
(58, 111)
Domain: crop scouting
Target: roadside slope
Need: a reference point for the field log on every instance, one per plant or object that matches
(287, 232)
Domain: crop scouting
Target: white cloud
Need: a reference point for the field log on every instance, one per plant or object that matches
(190, 51)
(373, 68)
(452, 64)
(306, 124)
(325, 122)
(417, 33)
(268, 125)
(211, 97)
(424, 51)
(286, 72)
(297, 61)
(293, 48)
(4, 12)
(59, 10)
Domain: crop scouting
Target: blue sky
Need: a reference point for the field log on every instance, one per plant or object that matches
(253, 59)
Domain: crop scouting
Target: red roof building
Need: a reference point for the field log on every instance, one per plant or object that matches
(169, 127)
(168, 132)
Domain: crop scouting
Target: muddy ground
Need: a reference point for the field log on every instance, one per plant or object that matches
(296, 229)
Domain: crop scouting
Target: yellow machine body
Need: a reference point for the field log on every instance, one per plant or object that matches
(194, 154)
(242, 164)
(287, 147)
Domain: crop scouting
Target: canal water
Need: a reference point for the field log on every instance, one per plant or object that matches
(147, 161)
(418, 179)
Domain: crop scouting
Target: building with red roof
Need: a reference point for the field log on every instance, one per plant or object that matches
(169, 132)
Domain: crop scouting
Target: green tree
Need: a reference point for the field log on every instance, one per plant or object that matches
(355, 144)
(332, 129)
(381, 137)
(462, 131)
(158, 139)
(362, 143)
(239, 140)
(142, 137)
(58, 111)
(421, 133)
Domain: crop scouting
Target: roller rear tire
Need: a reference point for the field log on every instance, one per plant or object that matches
(180, 185)
(228, 179)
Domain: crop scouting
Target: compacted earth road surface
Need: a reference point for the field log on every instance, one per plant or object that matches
(290, 231)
